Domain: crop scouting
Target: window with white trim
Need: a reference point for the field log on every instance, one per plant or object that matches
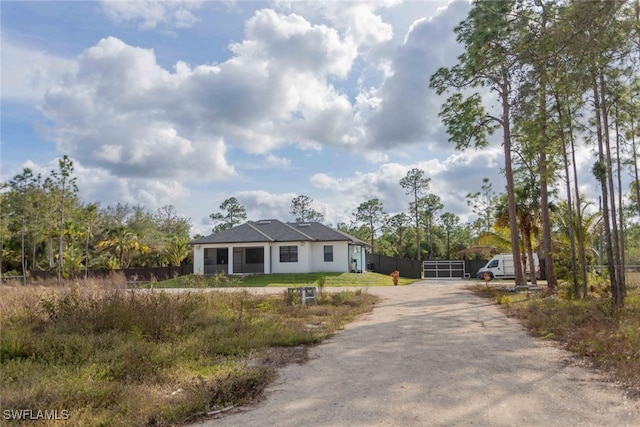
(288, 254)
(328, 253)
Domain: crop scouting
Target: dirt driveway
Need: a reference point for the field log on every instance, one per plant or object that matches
(434, 354)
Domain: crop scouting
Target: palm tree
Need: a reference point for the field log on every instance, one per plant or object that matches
(591, 226)
(526, 212)
(176, 250)
(122, 242)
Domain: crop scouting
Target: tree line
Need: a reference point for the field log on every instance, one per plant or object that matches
(549, 76)
(45, 226)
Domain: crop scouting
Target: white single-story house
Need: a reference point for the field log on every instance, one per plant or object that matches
(272, 246)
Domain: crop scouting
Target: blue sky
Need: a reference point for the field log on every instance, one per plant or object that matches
(191, 102)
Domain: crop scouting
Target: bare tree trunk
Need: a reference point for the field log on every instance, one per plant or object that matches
(602, 177)
(513, 219)
(532, 265)
(23, 260)
(615, 236)
(570, 220)
(621, 241)
(34, 246)
(50, 245)
(549, 268)
(61, 237)
(581, 238)
(86, 252)
(634, 160)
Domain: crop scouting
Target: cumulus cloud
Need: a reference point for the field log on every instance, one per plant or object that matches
(308, 74)
(406, 110)
(152, 14)
(261, 204)
(100, 184)
(123, 111)
(357, 20)
(27, 73)
(451, 179)
(110, 114)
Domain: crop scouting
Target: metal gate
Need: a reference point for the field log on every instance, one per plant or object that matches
(446, 269)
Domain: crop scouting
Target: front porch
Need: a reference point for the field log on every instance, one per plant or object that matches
(235, 260)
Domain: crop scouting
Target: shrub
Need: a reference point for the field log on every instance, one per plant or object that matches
(123, 357)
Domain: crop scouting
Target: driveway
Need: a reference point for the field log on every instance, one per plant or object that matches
(434, 354)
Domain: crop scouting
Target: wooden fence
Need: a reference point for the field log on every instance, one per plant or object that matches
(132, 275)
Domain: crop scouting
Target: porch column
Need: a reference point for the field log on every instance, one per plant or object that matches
(267, 259)
(230, 266)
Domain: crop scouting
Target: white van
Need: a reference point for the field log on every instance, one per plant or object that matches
(501, 267)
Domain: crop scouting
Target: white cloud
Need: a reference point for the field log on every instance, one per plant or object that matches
(27, 74)
(100, 184)
(146, 129)
(122, 111)
(407, 112)
(275, 161)
(113, 114)
(152, 14)
(359, 20)
(290, 41)
(264, 205)
(451, 179)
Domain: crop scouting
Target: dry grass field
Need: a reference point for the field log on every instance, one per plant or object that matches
(97, 354)
(606, 338)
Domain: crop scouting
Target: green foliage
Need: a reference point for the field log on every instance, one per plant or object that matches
(372, 214)
(60, 233)
(302, 210)
(176, 250)
(466, 121)
(234, 214)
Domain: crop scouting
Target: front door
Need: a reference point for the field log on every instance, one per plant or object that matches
(238, 260)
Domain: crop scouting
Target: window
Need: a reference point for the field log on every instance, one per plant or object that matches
(328, 253)
(209, 256)
(222, 256)
(254, 255)
(288, 254)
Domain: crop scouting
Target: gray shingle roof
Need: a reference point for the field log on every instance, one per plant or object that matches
(273, 230)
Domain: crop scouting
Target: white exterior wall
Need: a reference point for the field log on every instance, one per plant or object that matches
(304, 259)
(340, 263)
(267, 258)
(198, 259)
(310, 257)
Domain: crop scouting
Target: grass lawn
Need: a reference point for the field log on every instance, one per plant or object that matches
(283, 280)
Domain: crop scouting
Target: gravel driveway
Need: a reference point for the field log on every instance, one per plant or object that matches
(434, 354)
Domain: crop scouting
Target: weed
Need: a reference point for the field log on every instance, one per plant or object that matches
(506, 300)
(112, 356)
(590, 327)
